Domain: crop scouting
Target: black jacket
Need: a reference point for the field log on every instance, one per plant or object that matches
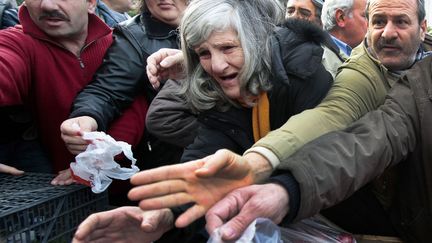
(122, 75)
(299, 82)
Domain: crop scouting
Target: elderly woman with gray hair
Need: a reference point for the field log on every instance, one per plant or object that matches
(244, 77)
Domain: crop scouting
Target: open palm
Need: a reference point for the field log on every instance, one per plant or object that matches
(203, 182)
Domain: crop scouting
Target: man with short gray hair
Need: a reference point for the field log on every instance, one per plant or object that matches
(346, 22)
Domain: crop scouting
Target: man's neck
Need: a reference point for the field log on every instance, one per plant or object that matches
(339, 36)
(74, 44)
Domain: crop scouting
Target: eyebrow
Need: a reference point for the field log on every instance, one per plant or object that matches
(381, 15)
(300, 9)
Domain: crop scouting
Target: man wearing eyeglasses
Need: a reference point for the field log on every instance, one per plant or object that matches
(305, 9)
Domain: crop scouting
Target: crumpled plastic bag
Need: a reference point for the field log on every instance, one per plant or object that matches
(315, 229)
(260, 230)
(96, 166)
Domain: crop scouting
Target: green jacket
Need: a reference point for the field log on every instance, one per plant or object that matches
(360, 86)
(397, 135)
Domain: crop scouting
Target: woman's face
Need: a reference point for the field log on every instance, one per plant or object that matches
(167, 11)
(221, 56)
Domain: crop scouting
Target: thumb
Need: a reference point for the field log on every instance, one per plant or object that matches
(172, 60)
(87, 124)
(234, 228)
(216, 162)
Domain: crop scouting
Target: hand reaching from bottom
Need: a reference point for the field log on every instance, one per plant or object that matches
(125, 224)
(242, 206)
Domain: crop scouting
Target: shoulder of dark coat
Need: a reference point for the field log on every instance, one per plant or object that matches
(306, 30)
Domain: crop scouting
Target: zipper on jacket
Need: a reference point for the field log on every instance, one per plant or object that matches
(149, 146)
(81, 62)
(82, 65)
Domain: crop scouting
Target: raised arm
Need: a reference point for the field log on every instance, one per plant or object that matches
(116, 83)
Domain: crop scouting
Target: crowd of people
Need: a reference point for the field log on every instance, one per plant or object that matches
(235, 110)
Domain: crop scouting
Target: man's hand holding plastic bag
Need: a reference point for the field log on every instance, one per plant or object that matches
(234, 213)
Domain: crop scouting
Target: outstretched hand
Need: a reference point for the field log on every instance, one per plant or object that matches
(164, 64)
(125, 224)
(203, 182)
(241, 207)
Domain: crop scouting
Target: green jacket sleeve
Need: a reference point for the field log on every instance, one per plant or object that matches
(332, 167)
(352, 95)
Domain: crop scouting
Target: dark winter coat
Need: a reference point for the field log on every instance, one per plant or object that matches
(299, 82)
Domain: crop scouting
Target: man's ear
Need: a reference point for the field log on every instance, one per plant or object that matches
(91, 6)
(340, 18)
(423, 29)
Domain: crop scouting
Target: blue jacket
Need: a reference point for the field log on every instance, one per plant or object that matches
(109, 16)
(8, 14)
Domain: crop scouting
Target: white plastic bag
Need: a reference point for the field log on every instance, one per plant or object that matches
(96, 165)
(260, 230)
(316, 230)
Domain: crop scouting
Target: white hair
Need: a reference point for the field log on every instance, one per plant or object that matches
(328, 15)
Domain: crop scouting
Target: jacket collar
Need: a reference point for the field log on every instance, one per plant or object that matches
(155, 28)
(96, 27)
(419, 71)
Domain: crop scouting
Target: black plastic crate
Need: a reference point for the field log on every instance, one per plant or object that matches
(32, 210)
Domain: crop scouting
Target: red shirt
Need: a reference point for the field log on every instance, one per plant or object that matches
(37, 71)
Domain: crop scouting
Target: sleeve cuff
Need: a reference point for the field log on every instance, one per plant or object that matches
(291, 185)
(267, 153)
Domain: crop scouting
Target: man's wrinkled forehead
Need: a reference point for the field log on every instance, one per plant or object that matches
(397, 5)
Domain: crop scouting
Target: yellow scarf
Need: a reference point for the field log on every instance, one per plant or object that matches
(261, 117)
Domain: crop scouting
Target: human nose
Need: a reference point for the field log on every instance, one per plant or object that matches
(219, 63)
(390, 31)
(48, 4)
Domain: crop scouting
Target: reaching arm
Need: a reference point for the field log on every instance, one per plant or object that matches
(334, 166)
(352, 95)
(119, 79)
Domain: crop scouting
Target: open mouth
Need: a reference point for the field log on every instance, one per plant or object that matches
(229, 77)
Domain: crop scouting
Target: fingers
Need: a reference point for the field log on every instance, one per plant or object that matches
(216, 162)
(193, 213)
(241, 207)
(63, 178)
(89, 228)
(72, 130)
(169, 201)
(10, 170)
(159, 62)
(174, 59)
(224, 210)
(157, 219)
(170, 172)
(157, 189)
(75, 126)
(67, 128)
